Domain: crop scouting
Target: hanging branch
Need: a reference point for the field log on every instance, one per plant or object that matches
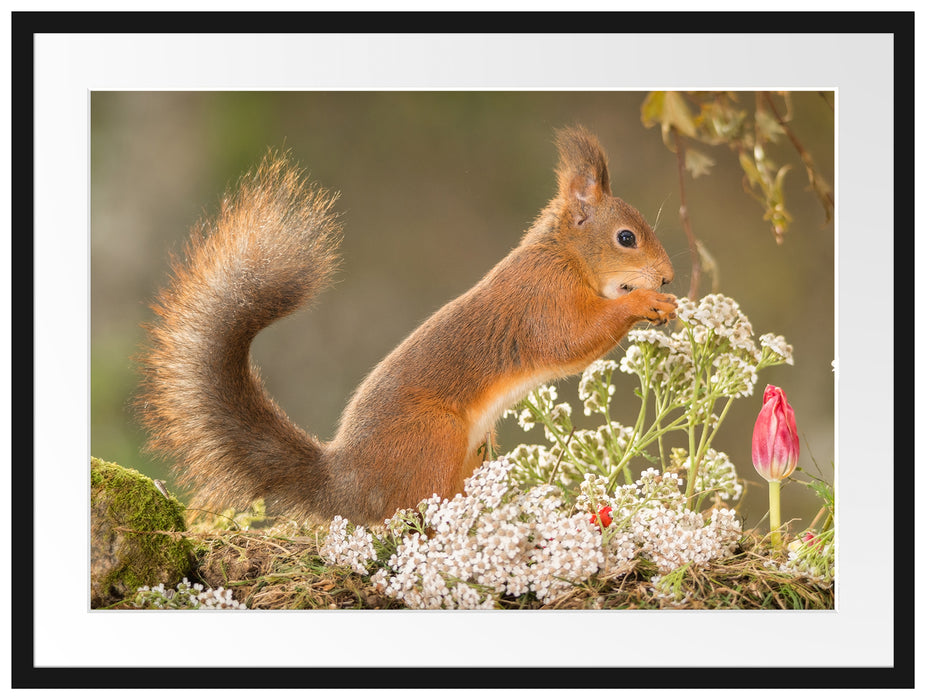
(686, 221)
(826, 99)
(817, 183)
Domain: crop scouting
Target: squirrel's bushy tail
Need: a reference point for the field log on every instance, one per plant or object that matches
(271, 248)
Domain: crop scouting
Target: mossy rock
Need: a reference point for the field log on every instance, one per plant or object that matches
(135, 534)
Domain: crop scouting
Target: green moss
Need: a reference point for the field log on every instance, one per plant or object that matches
(136, 534)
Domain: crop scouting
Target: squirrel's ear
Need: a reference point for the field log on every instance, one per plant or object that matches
(582, 173)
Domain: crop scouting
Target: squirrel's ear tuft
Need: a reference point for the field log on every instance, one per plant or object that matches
(582, 173)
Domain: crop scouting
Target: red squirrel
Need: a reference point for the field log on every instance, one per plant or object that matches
(584, 273)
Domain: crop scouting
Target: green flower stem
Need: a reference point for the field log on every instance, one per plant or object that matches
(707, 437)
(606, 400)
(723, 414)
(660, 407)
(695, 390)
(562, 439)
(561, 455)
(606, 414)
(654, 433)
(698, 455)
(774, 512)
(637, 428)
(544, 419)
(693, 466)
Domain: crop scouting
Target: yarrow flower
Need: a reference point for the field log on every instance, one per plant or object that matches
(735, 376)
(715, 327)
(716, 478)
(671, 538)
(632, 361)
(723, 317)
(595, 388)
(186, 596)
(779, 346)
(812, 556)
(354, 550)
(494, 540)
(543, 518)
(649, 519)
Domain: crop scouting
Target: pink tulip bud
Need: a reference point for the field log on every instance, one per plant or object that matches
(775, 447)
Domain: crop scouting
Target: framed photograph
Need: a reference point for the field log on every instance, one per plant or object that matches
(758, 147)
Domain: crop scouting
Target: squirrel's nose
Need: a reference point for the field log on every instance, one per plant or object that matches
(668, 273)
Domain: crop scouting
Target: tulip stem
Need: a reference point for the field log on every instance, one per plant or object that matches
(774, 512)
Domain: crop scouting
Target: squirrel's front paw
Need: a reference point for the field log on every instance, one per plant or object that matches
(653, 306)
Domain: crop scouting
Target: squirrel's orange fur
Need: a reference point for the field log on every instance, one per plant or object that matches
(586, 271)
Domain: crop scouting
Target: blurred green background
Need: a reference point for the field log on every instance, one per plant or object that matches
(436, 187)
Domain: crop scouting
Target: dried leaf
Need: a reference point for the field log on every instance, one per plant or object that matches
(697, 163)
(677, 114)
(749, 167)
(767, 126)
(669, 110)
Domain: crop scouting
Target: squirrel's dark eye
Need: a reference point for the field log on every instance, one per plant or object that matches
(626, 238)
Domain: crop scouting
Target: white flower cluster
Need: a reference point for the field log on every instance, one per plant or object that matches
(670, 538)
(544, 399)
(354, 549)
(778, 345)
(491, 540)
(496, 539)
(720, 315)
(186, 596)
(572, 452)
(663, 589)
(593, 494)
(716, 474)
(650, 520)
(535, 461)
(633, 361)
(595, 388)
(734, 376)
(666, 359)
(721, 331)
(587, 450)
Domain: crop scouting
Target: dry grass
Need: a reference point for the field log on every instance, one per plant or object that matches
(268, 571)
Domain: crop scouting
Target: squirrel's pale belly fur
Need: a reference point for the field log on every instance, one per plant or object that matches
(587, 270)
(502, 396)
